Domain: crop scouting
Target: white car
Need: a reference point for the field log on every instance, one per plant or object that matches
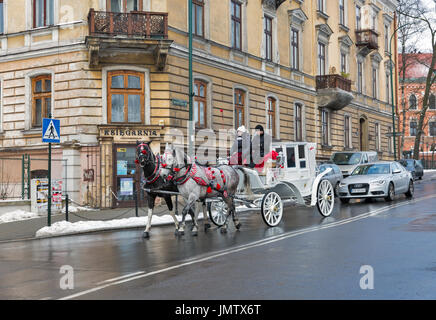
(377, 180)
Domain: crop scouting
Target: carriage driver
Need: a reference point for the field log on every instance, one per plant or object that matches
(261, 148)
(240, 151)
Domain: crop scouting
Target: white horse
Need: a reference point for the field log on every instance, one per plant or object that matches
(196, 182)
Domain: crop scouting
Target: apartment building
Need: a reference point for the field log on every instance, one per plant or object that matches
(116, 71)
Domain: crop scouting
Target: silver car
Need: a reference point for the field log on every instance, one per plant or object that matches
(377, 180)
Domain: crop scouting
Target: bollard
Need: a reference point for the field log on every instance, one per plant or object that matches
(135, 194)
(66, 207)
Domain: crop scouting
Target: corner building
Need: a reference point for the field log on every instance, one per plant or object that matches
(116, 71)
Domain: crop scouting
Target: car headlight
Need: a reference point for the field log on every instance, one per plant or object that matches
(379, 182)
(342, 184)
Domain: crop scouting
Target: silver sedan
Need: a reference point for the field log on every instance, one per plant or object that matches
(377, 180)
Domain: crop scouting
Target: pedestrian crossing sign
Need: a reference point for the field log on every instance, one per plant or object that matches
(51, 130)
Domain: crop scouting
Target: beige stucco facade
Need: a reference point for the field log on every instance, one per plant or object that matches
(79, 65)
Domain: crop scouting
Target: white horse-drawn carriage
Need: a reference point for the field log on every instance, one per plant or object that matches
(291, 178)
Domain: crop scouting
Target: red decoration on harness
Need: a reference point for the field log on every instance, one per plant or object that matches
(218, 186)
(164, 165)
(144, 151)
(136, 161)
(224, 181)
(176, 169)
(209, 190)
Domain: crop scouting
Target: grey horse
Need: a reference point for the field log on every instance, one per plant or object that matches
(196, 182)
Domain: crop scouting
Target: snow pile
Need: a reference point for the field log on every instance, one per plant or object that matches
(17, 215)
(65, 228)
(74, 209)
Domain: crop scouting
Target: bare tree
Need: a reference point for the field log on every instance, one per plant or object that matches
(424, 16)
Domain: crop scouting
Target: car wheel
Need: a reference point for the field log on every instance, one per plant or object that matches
(411, 190)
(391, 193)
(344, 200)
(337, 189)
(420, 178)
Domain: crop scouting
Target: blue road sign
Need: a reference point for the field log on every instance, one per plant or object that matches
(51, 130)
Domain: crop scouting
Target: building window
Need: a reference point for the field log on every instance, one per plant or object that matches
(239, 108)
(295, 49)
(342, 12)
(347, 132)
(268, 38)
(412, 102)
(377, 136)
(198, 17)
(374, 83)
(126, 97)
(325, 127)
(413, 126)
(41, 99)
(432, 102)
(298, 122)
(200, 104)
(1, 17)
(388, 88)
(343, 62)
(123, 5)
(321, 58)
(390, 140)
(432, 128)
(236, 31)
(321, 6)
(386, 38)
(358, 18)
(43, 13)
(271, 115)
(360, 77)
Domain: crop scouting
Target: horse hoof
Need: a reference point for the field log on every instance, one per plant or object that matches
(238, 225)
(194, 233)
(223, 230)
(146, 235)
(207, 226)
(181, 233)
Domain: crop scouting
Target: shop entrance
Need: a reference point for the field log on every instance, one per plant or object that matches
(127, 175)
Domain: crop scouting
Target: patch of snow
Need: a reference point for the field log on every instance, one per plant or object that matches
(17, 215)
(74, 209)
(67, 228)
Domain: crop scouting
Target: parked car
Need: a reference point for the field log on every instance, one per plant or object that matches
(414, 166)
(348, 161)
(377, 180)
(334, 176)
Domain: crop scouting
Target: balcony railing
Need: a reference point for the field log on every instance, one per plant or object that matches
(333, 81)
(368, 38)
(150, 25)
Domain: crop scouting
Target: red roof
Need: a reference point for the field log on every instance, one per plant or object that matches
(417, 65)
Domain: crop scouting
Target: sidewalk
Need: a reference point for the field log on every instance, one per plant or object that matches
(26, 229)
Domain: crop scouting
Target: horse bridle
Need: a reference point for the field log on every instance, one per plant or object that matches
(174, 170)
(156, 160)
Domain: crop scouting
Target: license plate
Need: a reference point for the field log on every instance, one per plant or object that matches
(358, 190)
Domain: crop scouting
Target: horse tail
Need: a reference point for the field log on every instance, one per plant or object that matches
(247, 185)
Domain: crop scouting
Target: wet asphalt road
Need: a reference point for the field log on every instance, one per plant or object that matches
(305, 257)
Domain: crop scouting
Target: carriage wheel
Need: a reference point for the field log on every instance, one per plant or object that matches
(217, 212)
(325, 198)
(272, 209)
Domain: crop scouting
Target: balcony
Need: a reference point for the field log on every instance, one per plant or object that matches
(334, 91)
(366, 40)
(127, 37)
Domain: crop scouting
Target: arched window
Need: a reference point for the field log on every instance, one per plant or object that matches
(125, 97)
(412, 102)
(200, 104)
(432, 102)
(239, 108)
(271, 115)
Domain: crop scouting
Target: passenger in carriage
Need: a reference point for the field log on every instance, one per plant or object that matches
(240, 151)
(261, 148)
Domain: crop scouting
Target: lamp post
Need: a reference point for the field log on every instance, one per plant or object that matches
(190, 123)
